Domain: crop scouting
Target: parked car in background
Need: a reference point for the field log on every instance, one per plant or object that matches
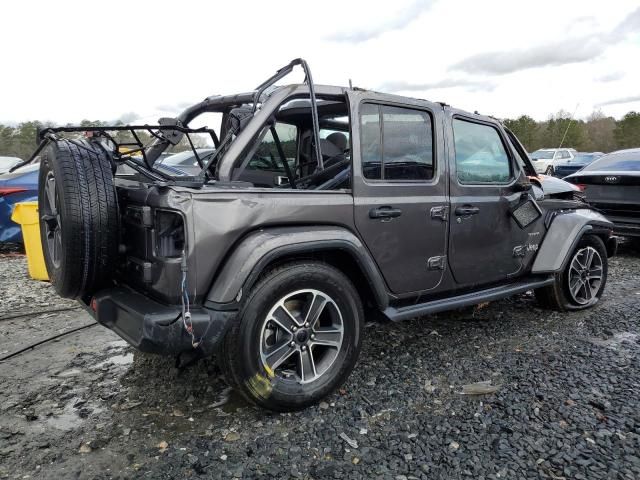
(7, 163)
(186, 161)
(545, 159)
(21, 185)
(612, 185)
(580, 160)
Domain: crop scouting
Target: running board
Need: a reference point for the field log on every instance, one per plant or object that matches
(451, 303)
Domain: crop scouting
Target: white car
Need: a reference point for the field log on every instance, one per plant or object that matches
(545, 159)
(7, 163)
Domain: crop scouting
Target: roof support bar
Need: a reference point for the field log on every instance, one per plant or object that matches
(283, 72)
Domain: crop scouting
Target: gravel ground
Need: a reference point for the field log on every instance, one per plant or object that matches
(18, 292)
(559, 399)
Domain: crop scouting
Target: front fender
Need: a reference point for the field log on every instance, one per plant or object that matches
(563, 234)
(260, 248)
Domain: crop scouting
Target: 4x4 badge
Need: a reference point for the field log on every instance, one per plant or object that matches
(611, 179)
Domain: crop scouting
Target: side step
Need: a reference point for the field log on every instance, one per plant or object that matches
(473, 298)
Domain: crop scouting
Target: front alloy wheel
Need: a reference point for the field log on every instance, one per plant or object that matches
(581, 283)
(585, 275)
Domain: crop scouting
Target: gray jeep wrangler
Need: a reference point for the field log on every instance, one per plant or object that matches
(314, 205)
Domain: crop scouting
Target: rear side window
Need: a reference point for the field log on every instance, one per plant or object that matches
(480, 154)
(397, 143)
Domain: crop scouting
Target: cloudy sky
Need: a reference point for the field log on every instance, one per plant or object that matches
(68, 60)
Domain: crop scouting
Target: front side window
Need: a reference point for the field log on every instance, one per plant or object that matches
(267, 156)
(396, 143)
(480, 154)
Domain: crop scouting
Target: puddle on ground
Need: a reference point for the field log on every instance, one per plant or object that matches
(618, 340)
(125, 359)
(68, 420)
(72, 372)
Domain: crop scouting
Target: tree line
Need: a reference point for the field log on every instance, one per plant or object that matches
(597, 133)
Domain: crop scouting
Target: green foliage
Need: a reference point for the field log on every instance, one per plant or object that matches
(597, 133)
(19, 141)
(526, 129)
(627, 131)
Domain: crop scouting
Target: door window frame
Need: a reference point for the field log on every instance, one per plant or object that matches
(513, 168)
(434, 145)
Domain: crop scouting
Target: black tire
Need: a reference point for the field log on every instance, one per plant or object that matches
(82, 205)
(558, 296)
(241, 360)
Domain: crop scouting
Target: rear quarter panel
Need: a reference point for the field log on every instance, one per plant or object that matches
(216, 220)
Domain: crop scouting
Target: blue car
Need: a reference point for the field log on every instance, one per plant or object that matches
(578, 162)
(20, 185)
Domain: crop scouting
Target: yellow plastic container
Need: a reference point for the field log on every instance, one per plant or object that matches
(26, 215)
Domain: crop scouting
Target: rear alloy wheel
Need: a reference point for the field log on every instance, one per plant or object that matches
(302, 335)
(583, 279)
(549, 170)
(297, 336)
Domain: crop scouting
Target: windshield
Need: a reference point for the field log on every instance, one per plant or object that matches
(629, 161)
(542, 155)
(585, 158)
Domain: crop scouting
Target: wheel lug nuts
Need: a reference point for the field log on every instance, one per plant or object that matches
(306, 324)
(292, 344)
(313, 336)
(304, 347)
(294, 328)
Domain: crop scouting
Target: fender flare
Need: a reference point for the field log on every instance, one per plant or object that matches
(258, 249)
(565, 231)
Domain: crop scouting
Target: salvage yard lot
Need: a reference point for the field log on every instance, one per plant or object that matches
(566, 403)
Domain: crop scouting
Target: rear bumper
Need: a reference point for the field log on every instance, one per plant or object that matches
(153, 327)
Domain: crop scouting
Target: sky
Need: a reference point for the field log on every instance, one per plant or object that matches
(138, 60)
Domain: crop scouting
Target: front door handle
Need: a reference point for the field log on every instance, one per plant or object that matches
(467, 210)
(385, 212)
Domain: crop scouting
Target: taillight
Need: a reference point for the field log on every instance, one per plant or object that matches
(581, 186)
(9, 190)
(170, 239)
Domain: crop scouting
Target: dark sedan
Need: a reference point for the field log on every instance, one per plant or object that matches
(572, 165)
(612, 185)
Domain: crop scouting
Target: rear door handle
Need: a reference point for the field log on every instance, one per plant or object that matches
(385, 212)
(467, 210)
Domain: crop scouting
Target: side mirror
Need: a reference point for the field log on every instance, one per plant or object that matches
(522, 187)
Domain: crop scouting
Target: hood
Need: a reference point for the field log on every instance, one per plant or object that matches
(552, 185)
(26, 175)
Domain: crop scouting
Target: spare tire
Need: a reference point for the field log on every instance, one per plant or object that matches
(78, 216)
